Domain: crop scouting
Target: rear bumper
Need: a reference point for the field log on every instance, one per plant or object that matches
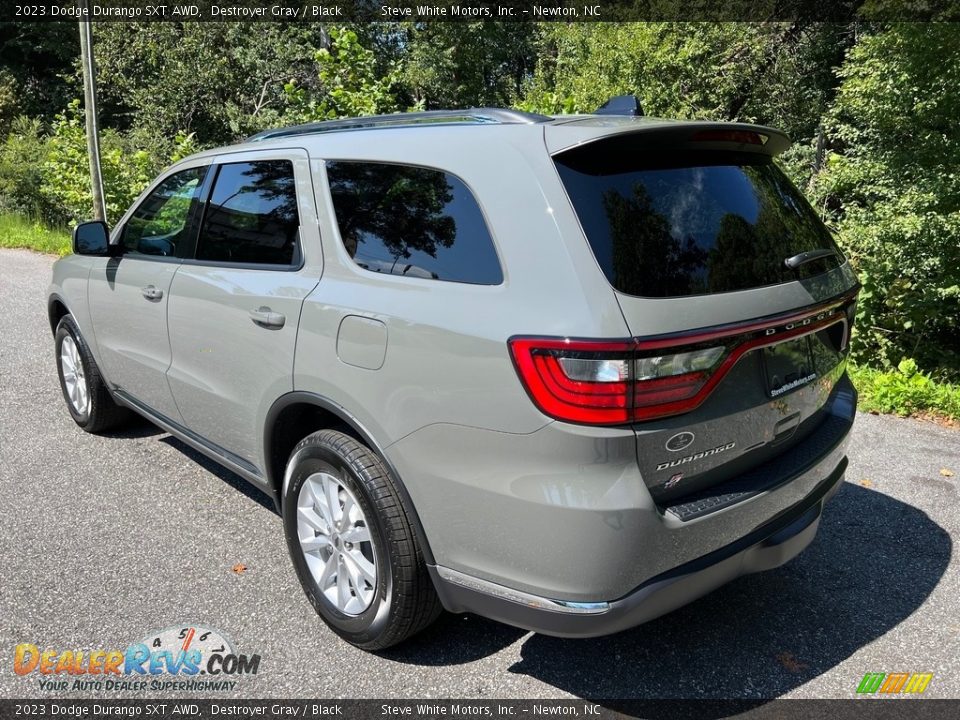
(770, 545)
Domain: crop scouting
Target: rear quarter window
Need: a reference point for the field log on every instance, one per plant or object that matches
(667, 224)
(412, 221)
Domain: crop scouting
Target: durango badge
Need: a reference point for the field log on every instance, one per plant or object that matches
(696, 456)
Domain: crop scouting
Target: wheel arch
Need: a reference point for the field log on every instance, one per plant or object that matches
(295, 415)
(56, 310)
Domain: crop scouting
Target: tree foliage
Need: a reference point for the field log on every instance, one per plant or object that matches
(873, 108)
(468, 64)
(778, 73)
(65, 175)
(892, 183)
(221, 81)
(350, 83)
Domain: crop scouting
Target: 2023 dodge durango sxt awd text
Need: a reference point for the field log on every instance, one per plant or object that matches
(568, 373)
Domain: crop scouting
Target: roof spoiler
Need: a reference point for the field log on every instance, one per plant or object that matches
(621, 105)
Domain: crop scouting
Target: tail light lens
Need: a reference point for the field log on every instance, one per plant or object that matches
(650, 368)
(601, 383)
(598, 382)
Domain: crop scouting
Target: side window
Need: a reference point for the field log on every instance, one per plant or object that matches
(412, 221)
(252, 215)
(159, 224)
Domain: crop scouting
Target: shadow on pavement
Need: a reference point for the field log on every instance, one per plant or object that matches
(874, 562)
(230, 478)
(135, 427)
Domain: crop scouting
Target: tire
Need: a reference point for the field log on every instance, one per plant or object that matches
(380, 608)
(84, 389)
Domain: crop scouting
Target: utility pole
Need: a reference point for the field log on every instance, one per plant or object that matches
(90, 108)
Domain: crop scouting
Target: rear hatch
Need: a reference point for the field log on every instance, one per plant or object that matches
(738, 299)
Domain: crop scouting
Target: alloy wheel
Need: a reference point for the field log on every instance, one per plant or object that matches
(336, 543)
(73, 376)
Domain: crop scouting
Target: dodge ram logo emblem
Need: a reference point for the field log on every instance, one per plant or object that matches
(680, 441)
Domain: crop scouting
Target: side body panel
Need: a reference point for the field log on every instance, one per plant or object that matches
(69, 285)
(227, 369)
(131, 329)
(446, 358)
(446, 370)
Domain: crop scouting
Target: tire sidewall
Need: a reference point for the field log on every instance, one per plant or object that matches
(68, 327)
(372, 622)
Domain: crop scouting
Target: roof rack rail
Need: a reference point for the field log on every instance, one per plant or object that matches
(479, 116)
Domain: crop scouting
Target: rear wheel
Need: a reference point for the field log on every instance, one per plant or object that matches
(84, 389)
(352, 544)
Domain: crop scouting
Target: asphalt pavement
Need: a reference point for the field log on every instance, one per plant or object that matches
(105, 539)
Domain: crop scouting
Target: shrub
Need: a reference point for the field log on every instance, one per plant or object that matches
(905, 391)
(891, 183)
(126, 171)
(21, 156)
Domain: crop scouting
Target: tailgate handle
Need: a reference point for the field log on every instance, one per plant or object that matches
(786, 428)
(803, 258)
(265, 317)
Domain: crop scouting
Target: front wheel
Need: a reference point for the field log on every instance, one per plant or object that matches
(84, 389)
(352, 544)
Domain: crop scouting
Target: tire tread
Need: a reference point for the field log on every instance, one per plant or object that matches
(415, 603)
(104, 413)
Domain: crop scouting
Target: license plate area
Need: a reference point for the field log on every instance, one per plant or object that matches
(794, 363)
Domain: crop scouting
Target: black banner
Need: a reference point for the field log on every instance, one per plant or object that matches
(862, 709)
(334, 11)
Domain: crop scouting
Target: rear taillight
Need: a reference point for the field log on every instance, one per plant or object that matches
(581, 382)
(602, 383)
(599, 382)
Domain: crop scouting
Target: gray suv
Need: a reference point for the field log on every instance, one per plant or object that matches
(566, 372)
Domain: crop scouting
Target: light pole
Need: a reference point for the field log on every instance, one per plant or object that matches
(90, 108)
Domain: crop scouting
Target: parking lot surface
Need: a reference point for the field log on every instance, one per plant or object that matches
(107, 539)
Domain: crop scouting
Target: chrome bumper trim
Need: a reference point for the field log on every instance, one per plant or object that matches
(534, 601)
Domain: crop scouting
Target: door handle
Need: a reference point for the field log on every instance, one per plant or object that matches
(265, 317)
(151, 293)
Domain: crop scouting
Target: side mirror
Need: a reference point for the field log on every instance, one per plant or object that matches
(91, 238)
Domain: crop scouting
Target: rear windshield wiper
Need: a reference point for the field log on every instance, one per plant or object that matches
(803, 258)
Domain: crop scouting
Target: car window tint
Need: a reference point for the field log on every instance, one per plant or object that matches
(412, 221)
(159, 224)
(251, 216)
(690, 223)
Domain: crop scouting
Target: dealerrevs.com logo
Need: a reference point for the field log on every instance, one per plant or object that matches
(188, 657)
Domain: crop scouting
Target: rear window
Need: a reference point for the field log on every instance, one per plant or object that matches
(676, 224)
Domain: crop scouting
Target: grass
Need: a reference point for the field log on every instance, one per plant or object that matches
(19, 232)
(906, 391)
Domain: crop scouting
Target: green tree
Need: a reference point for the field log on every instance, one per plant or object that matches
(769, 72)
(892, 183)
(64, 171)
(221, 81)
(468, 64)
(21, 158)
(38, 59)
(349, 83)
